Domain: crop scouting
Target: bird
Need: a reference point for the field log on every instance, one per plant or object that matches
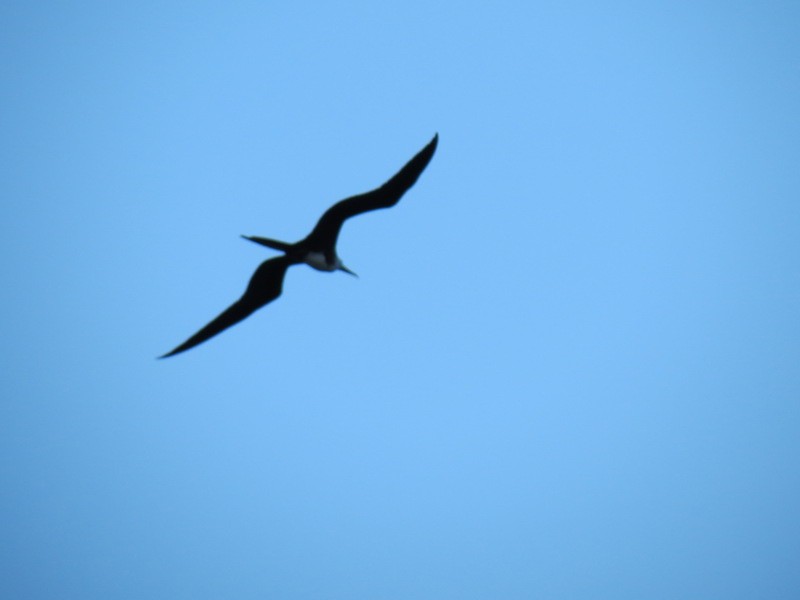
(317, 249)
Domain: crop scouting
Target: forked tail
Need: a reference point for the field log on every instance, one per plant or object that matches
(274, 244)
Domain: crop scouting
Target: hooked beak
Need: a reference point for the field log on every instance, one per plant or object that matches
(346, 270)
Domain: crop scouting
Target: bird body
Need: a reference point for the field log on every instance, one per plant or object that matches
(317, 249)
(319, 261)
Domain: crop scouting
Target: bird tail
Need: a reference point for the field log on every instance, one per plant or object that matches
(274, 244)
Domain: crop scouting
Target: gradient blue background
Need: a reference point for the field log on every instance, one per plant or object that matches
(570, 367)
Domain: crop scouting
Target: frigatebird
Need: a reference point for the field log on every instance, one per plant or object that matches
(317, 249)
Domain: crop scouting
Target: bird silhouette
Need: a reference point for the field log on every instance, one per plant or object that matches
(317, 249)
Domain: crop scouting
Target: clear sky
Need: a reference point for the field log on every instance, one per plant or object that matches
(570, 367)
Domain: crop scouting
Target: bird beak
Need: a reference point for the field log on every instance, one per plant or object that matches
(346, 270)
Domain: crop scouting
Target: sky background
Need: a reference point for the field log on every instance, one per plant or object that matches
(570, 367)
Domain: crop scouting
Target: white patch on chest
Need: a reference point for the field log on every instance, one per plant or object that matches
(317, 261)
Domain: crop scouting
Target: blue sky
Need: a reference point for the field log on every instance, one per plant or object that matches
(569, 368)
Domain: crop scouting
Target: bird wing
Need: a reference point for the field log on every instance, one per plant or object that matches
(264, 287)
(323, 237)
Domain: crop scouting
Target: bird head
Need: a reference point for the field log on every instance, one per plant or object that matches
(346, 270)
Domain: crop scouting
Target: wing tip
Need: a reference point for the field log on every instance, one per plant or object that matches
(429, 149)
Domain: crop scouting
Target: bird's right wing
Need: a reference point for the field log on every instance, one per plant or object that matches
(265, 286)
(326, 231)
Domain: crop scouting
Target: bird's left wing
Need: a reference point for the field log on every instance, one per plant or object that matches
(265, 286)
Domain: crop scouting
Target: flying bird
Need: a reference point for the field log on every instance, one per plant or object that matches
(317, 249)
